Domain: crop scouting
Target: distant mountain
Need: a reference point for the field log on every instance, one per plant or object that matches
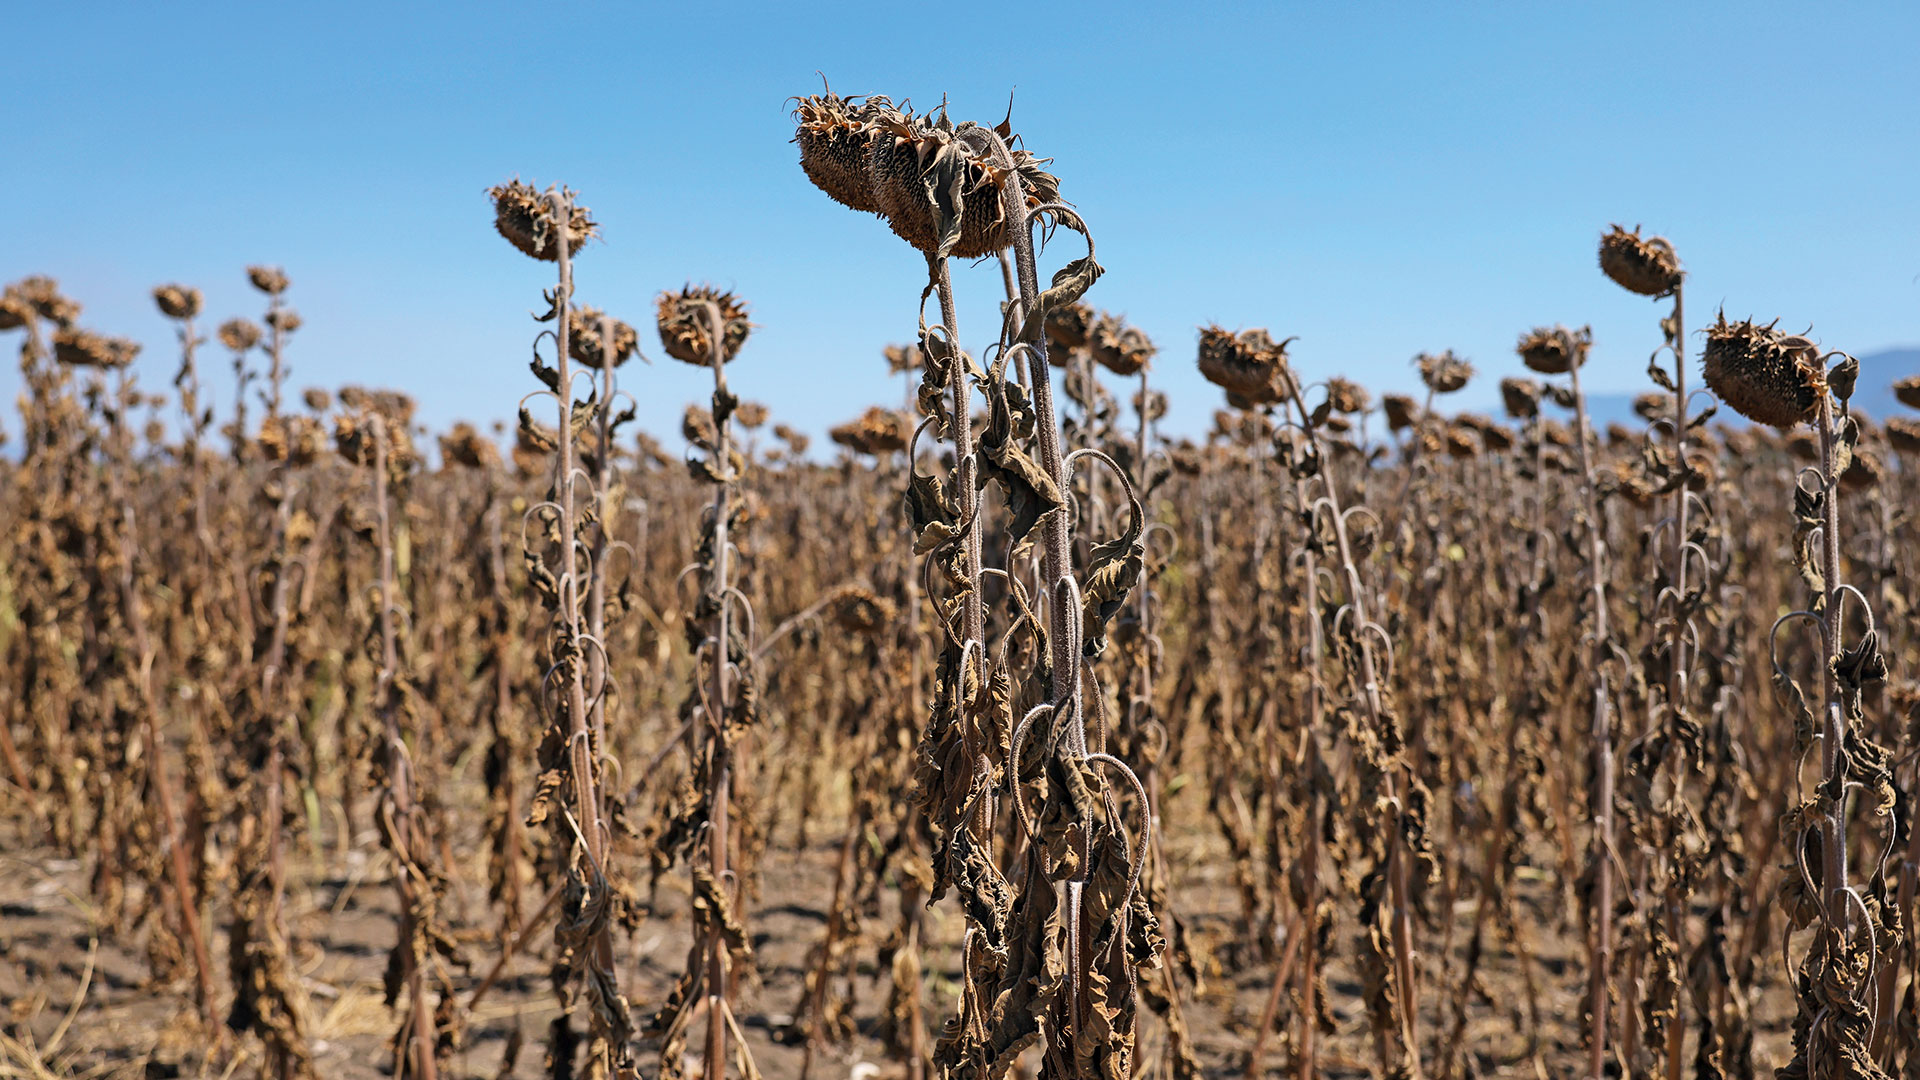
(1873, 395)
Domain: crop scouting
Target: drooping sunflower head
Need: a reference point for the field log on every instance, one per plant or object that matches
(686, 320)
(1647, 266)
(1764, 375)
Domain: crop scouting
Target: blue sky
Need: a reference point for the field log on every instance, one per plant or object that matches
(1377, 179)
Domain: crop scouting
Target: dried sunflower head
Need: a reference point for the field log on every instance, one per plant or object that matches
(1499, 438)
(1154, 405)
(14, 311)
(1067, 328)
(931, 175)
(836, 135)
(1652, 405)
(1520, 396)
(353, 437)
(860, 611)
(1121, 349)
(1648, 267)
(1904, 433)
(877, 432)
(901, 358)
(1249, 365)
(285, 320)
(797, 441)
(239, 335)
(1864, 472)
(1346, 396)
(1554, 350)
(1402, 411)
(268, 279)
(583, 338)
(1463, 440)
(525, 217)
(317, 399)
(1443, 372)
(685, 320)
(1764, 375)
(294, 440)
(697, 427)
(750, 414)
(463, 445)
(42, 295)
(177, 301)
(1555, 433)
(84, 348)
(1907, 391)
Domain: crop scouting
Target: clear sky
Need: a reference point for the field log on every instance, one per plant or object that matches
(1377, 179)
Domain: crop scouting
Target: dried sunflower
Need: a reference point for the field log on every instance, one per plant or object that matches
(1764, 375)
(1402, 411)
(14, 311)
(877, 432)
(1520, 396)
(1864, 471)
(295, 440)
(177, 301)
(1904, 433)
(1346, 396)
(836, 137)
(525, 217)
(1907, 391)
(932, 176)
(268, 279)
(239, 335)
(583, 338)
(463, 445)
(685, 324)
(750, 414)
(1648, 267)
(1249, 365)
(1121, 349)
(1154, 404)
(901, 358)
(860, 611)
(84, 348)
(1067, 327)
(1554, 350)
(42, 294)
(1443, 372)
